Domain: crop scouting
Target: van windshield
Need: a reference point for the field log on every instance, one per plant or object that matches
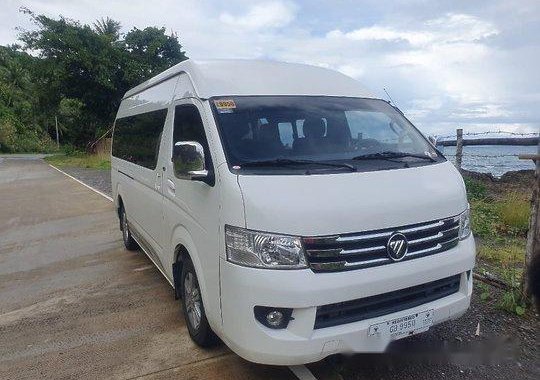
(319, 133)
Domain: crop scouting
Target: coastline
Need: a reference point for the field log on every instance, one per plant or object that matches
(511, 181)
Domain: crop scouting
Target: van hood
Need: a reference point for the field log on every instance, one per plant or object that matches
(310, 205)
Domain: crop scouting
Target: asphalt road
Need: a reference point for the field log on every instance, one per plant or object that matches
(74, 304)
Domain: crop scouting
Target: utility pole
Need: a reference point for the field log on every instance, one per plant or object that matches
(531, 282)
(57, 136)
(459, 147)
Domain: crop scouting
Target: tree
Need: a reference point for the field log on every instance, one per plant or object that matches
(108, 27)
(19, 129)
(148, 52)
(78, 73)
(77, 63)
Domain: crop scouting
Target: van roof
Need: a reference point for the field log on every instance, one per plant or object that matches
(256, 77)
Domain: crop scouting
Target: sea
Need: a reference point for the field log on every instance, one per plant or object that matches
(494, 159)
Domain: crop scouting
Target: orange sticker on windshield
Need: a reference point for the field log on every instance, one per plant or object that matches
(225, 105)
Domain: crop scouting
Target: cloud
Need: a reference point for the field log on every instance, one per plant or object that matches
(273, 14)
(452, 28)
(444, 63)
(461, 28)
(441, 70)
(380, 33)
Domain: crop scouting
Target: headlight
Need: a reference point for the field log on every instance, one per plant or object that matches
(263, 250)
(464, 224)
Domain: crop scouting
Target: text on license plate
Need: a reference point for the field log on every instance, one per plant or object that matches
(400, 327)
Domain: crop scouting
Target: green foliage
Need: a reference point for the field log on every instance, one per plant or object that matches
(503, 251)
(500, 221)
(150, 52)
(80, 160)
(485, 291)
(484, 220)
(475, 189)
(508, 216)
(511, 302)
(108, 27)
(506, 257)
(77, 73)
(514, 212)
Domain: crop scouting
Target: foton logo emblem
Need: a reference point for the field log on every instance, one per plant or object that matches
(397, 246)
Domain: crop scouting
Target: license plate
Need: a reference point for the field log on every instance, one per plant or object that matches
(403, 326)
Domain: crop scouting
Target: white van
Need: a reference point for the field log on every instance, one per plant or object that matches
(295, 214)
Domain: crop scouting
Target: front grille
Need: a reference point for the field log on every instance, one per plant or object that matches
(382, 304)
(368, 249)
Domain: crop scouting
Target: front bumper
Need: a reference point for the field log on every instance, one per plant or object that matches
(243, 288)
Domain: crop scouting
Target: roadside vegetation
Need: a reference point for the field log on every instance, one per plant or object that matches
(80, 160)
(499, 220)
(72, 75)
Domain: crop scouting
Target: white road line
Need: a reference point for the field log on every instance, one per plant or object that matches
(82, 183)
(302, 372)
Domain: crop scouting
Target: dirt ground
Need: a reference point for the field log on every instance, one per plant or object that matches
(520, 181)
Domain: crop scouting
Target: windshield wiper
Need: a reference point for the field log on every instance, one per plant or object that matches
(289, 162)
(391, 154)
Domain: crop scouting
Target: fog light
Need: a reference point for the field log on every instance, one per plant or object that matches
(273, 317)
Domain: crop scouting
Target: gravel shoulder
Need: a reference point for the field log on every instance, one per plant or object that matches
(99, 179)
(505, 348)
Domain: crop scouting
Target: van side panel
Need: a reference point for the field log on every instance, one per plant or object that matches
(191, 212)
(138, 186)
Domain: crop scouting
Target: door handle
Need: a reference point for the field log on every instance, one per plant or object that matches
(171, 186)
(157, 184)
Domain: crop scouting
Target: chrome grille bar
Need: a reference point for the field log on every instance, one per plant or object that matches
(367, 249)
(339, 252)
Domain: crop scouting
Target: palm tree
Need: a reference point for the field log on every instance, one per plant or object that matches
(108, 27)
(16, 80)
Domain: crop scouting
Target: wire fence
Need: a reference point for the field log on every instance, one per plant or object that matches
(484, 155)
(504, 162)
(496, 157)
(486, 133)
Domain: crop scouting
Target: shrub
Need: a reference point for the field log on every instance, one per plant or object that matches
(514, 212)
(7, 135)
(20, 140)
(484, 218)
(475, 189)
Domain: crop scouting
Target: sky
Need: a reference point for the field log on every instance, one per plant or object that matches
(446, 64)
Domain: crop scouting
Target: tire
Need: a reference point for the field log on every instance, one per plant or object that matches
(129, 242)
(193, 308)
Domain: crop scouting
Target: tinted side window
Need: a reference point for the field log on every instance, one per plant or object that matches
(188, 126)
(136, 138)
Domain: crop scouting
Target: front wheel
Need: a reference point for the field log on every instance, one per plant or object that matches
(193, 308)
(129, 242)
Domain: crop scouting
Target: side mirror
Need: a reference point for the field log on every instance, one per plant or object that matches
(188, 160)
(433, 140)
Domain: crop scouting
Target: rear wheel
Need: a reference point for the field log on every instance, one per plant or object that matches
(193, 308)
(129, 242)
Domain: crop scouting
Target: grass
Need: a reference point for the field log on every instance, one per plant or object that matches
(514, 212)
(80, 160)
(475, 189)
(507, 215)
(505, 251)
(500, 222)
